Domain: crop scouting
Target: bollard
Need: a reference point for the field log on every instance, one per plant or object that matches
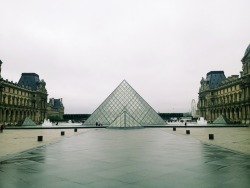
(211, 136)
(174, 128)
(40, 138)
(75, 130)
(187, 131)
(62, 133)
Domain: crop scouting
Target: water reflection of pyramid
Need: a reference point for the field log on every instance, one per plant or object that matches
(124, 107)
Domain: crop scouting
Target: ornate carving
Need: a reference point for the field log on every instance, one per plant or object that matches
(246, 57)
(41, 86)
(204, 85)
(246, 80)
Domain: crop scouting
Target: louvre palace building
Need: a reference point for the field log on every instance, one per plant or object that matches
(229, 97)
(27, 98)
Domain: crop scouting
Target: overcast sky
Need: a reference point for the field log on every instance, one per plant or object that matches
(83, 49)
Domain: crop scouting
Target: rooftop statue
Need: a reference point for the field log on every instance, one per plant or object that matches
(0, 67)
(247, 55)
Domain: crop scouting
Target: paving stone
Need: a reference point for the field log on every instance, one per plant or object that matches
(127, 158)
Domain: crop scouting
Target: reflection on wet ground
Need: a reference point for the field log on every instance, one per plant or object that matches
(127, 158)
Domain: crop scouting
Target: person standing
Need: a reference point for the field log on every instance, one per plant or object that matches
(1, 128)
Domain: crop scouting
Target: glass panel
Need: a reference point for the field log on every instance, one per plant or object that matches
(124, 107)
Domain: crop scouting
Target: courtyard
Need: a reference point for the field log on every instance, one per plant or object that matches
(126, 158)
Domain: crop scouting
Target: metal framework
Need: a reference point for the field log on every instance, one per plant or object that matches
(124, 107)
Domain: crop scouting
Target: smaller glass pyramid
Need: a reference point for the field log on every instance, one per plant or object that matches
(221, 120)
(124, 107)
(28, 122)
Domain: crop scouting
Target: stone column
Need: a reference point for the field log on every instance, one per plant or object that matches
(237, 112)
(4, 115)
(248, 93)
(247, 114)
(244, 114)
(240, 114)
(1, 95)
(8, 116)
(244, 92)
(13, 118)
(232, 114)
(21, 116)
(36, 117)
(1, 115)
(17, 116)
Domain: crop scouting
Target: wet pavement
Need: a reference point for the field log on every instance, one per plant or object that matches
(233, 138)
(13, 141)
(126, 158)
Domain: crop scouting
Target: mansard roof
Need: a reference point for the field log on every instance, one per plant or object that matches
(29, 79)
(56, 103)
(214, 78)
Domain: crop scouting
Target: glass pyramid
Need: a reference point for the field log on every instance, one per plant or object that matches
(124, 107)
(28, 122)
(221, 120)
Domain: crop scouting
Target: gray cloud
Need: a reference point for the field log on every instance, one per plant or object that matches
(84, 49)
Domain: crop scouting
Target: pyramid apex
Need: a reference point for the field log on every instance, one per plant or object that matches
(124, 107)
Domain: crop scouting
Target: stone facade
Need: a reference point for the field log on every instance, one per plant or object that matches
(55, 109)
(27, 98)
(229, 97)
